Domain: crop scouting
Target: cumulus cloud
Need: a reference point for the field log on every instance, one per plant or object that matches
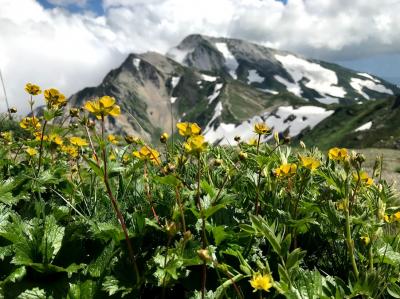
(53, 47)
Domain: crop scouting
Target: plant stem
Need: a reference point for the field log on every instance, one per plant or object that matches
(350, 243)
(203, 228)
(116, 208)
(178, 198)
(41, 146)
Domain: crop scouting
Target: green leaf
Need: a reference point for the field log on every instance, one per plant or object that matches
(294, 258)
(169, 180)
(97, 267)
(210, 190)
(16, 275)
(220, 291)
(96, 168)
(52, 239)
(394, 290)
(219, 233)
(34, 293)
(262, 227)
(112, 286)
(82, 290)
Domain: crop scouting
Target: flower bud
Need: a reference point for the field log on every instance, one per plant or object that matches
(12, 110)
(131, 139)
(242, 156)
(204, 254)
(187, 235)
(74, 112)
(218, 162)
(164, 137)
(276, 137)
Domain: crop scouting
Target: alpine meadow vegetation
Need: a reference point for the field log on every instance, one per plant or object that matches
(86, 213)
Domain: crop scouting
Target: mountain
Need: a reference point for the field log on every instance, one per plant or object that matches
(226, 85)
(371, 124)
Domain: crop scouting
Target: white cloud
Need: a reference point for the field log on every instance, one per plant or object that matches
(71, 51)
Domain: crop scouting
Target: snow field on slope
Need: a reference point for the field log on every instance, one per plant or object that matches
(320, 79)
(254, 77)
(359, 84)
(305, 116)
(230, 60)
(364, 127)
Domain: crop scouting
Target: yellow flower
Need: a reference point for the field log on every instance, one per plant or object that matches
(54, 98)
(261, 282)
(338, 154)
(252, 141)
(70, 150)
(188, 129)
(148, 154)
(112, 157)
(132, 139)
(310, 163)
(396, 216)
(261, 129)
(164, 137)
(31, 151)
(286, 170)
(364, 178)
(112, 138)
(55, 138)
(365, 239)
(387, 218)
(32, 89)
(30, 122)
(103, 107)
(341, 205)
(7, 136)
(195, 144)
(38, 136)
(78, 141)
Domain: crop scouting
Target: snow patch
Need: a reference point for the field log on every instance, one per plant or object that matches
(320, 79)
(173, 99)
(268, 90)
(208, 78)
(364, 127)
(328, 100)
(285, 117)
(136, 63)
(359, 85)
(230, 60)
(254, 77)
(175, 81)
(369, 77)
(216, 92)
(291, 87)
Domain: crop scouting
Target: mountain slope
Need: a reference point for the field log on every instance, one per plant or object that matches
(372, 124)
(276, 71)
(226, 85)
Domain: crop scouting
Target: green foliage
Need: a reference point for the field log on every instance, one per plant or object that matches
(102, 222)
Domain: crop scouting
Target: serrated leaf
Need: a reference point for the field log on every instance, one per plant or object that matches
(34, 293)
(82, 290)
(102, 262)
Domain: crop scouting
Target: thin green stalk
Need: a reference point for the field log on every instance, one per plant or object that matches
(41, 146)
(116, 208)
(350, 243)
(203, 228)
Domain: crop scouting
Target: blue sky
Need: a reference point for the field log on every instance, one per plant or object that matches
(72, 44)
